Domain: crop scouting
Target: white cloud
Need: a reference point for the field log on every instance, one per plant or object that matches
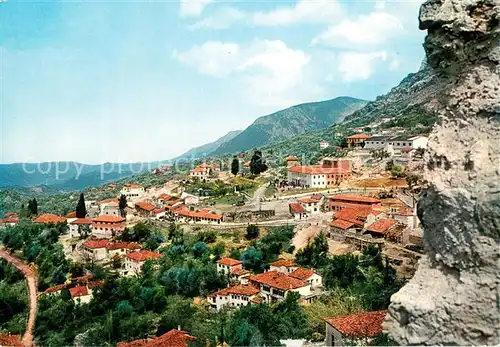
(304, 11)
(355, 66)
(373, 29)
(269, 72)
(222, 19)
(394, 64)
(192, 8)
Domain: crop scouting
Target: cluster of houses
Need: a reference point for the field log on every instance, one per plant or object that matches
(329, 173)
(283, 276)
(393, 144)
(80, 289)
(204, 171)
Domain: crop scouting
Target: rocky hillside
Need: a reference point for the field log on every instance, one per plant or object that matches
(292, 121)
(412, 95)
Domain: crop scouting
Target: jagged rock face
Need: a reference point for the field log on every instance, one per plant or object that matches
(453, 297)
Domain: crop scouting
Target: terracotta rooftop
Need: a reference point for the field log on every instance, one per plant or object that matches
(174, 338)
(132, 186)
(295, 207)
(71, 214)
(78, 291)
(239, 272)
(165, 197)
(95, 284)
(54, 289)
(109, 219)
(382, 225)
(82, 221)
(283, 263)
(198, 214)
(278, 280)
(145, 206)
(301, 273)
(107, 201)
(366, 324)
(354, 198)
(143, 255)
(49, 218)
(122, 245)
(159, 210)
(291, 158)
(354, 215)
(405, 212)
(95, 244)
(308, 200)
(9, 340)
(341, 224)
(358, 136)
(229, 261)
(237, 290)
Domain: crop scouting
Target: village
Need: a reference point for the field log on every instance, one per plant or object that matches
(365, 199)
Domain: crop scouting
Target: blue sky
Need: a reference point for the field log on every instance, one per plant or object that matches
(126, 81)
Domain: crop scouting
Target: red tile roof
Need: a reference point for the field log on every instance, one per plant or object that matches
(291, 158)
(354, 198)
(82, 221)
(95, 244)
(71, 214)
(239, 272)
(54, 289)
(132, 186)
(95, 284)
(358, 136)
(382, 225)
(318, 169)
(9, 340)
(82, 279)
(159, 210)
(278, 280)
(353, 215)
(165, 197)
(295, 207)
(49, 218)
(174, 338)
(301, 273)
(366, 324)
(145, 206)
(109, 219)
(237, 290)
(107, 201)
(341, 224)
(197, 214)
(405, 212)
(122, 245)
(283, 263)
(143, 255)
(78, 291)
(308, 201)
(229, 261)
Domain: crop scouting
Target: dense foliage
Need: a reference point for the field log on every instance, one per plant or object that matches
(13, 299)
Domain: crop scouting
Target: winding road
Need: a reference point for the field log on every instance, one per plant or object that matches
(31, 278)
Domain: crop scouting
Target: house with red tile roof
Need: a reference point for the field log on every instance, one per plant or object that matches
(275, 285)
(184, 214)
(291, 161)
(80, 294)
(95, 249)
(203, 171)
(108, 226)
(163, 199)
(49, 218)
(121, 248)
(312, 204)
(144, 209)
(282, 265)
(350, 328)
(309, 276)
(226, 266)
(357, 140)
(7, 339)
(10, 219)
(239, 275)
(173, 338)
(339, 202)
(159, 213)
(79, 224)
(109, 207)
(381, 227)
(329, 174)
(232, 297)
(135, 260)
(297, 210)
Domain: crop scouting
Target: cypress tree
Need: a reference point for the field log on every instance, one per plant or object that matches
(235, 166)
(122, 204)
(35, 207)
(81, 211)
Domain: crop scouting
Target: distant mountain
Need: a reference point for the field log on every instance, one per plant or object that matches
(292, 121)
(66, 175)
(409, 104)
(204, 150)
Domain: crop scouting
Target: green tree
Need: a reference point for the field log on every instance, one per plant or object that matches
(81, 210)
(122, 205)
(367, 129)
(235, 166)
(257, 163)
(252, 232)
(199, 249)
(397, 171)
(32, 207)
(315, 253)
(252, 259)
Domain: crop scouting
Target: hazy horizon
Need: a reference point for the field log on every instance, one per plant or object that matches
(142, 82)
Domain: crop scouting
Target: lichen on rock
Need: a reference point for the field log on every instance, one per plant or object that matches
(454, 296)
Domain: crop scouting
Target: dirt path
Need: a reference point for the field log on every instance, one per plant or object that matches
(32, 287)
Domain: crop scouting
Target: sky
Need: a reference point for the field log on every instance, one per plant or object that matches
(126, 81)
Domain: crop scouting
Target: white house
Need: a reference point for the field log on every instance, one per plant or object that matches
(80, 294)
(297, 210)
(408, 217)
(135, 260)
(233, 297)
(239, 275)
(95, 250)
(275, 285)
(309, 276)
(376, 142)
(132, 191)
(400, 142)
(77, 224)
(329, 174)
(121, 248)
(312, 204)
(226, 266)
(323, 144)
(108, 226)
(190, 199)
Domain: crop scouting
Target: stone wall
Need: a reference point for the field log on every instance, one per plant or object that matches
(453, 297)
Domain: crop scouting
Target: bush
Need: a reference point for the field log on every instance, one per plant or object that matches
(252, 232)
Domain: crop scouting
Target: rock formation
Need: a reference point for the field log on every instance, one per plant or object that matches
(454, 296)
